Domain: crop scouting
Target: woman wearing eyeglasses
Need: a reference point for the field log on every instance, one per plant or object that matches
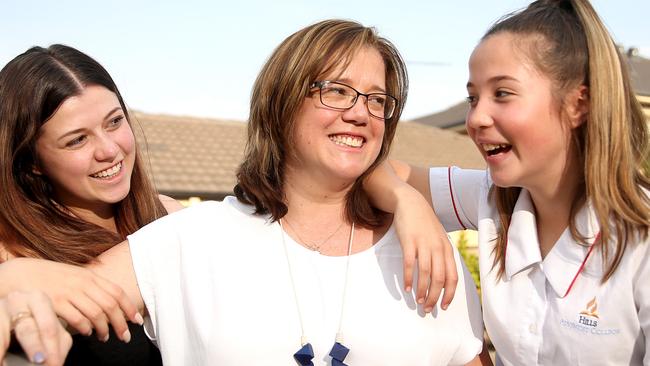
(299, 268)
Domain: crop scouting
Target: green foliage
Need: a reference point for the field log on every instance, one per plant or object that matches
(471, 260)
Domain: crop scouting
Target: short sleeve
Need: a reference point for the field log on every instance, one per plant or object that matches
(165, 253)
(455, 194)
(153, 251)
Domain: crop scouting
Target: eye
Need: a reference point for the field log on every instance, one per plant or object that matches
(377, 99)
(76, 141)
(471, 100)
(502, 93)
(336, 90)
(116, 122)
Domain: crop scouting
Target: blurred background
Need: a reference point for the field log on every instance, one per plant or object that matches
(186, 70)
(200, 58)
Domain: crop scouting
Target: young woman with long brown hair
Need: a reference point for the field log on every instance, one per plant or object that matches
(73, 186)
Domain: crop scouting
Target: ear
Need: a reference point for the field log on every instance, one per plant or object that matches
(577, 106)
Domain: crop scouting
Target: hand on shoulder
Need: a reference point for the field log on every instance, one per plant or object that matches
(85, 300)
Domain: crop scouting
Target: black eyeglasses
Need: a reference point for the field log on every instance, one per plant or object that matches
(340, 96)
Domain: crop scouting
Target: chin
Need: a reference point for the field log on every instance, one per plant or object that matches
(502, 180)
(115, 197)
(353, 175)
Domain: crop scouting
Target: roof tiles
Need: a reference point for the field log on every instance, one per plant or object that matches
(199, 157)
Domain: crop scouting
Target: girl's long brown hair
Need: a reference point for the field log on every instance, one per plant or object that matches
(32, 224)
(570, 44)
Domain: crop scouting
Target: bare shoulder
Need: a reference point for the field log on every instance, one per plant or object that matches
(171, 205)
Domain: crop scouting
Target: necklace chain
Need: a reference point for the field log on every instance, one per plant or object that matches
(314, 247)
(339, 334)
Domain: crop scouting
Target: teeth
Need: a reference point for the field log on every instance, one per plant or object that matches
(352, 141)
(490, 147)
(108, 173)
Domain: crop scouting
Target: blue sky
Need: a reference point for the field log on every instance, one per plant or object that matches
(200, 58)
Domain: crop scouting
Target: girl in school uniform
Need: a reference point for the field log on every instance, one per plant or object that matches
(563, 209)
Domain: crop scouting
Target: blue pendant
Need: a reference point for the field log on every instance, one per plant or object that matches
(338, 354)
(304, 355)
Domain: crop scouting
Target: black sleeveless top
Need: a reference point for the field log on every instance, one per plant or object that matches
(88, 350)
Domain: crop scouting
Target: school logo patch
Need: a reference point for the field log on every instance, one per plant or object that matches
(587, 321)
(589, 315)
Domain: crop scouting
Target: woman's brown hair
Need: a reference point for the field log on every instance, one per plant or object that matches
(567, 41)
(280, 88)
(32, 224)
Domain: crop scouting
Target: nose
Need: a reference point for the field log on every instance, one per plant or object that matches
(478, 116)
(106, 148)
(357, 114)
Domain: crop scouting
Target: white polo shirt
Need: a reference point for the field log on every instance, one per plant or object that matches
(529, 316)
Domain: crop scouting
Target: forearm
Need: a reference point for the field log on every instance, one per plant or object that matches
(391, 182)
(116, 265)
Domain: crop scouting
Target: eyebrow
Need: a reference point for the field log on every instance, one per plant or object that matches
(372, 87)
(78, 130)
(495, 79)
(112, 111)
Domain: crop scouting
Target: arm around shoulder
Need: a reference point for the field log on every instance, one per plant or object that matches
(116, 264)
(395, 181)
(403, 190)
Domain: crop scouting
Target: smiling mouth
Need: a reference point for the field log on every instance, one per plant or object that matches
(493, 149)
(108, 173)
(347, 140)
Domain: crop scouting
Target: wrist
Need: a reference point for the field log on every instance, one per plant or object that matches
(406, 197)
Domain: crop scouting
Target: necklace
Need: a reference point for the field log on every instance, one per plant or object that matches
(306, 353)
(314, 247)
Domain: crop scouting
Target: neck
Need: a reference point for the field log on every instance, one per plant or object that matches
(101, 216)
(553, 209)
(316, 216)
(313, 196)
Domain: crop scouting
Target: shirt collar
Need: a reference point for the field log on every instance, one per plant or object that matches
(522, 249)
(562, 264)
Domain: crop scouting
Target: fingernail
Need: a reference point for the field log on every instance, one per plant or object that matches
(138, 319)
(444, 306)
(39, 357)
(126, 336)
(428, 309)
(105, 339)
(408, 289)
(421, 300)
